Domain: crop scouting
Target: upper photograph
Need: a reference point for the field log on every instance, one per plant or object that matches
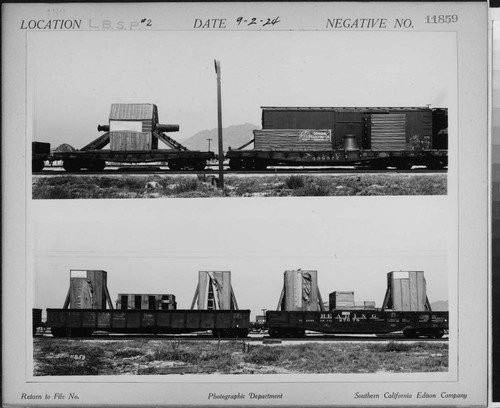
(189, 114)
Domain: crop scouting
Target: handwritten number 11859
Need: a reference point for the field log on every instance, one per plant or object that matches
(254, 20)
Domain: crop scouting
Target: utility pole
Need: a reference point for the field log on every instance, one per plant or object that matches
(219, 124)
(209, 144)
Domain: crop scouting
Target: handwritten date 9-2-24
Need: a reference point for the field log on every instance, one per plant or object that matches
(257, 21)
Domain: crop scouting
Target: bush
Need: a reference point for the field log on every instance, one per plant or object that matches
(263, 355)
(128, 352)
(294, 182)
(312, 190)
(185, 186)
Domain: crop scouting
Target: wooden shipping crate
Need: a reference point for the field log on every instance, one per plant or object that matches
(406, 291)
(341, 300)
(127, 141)
(293, 139)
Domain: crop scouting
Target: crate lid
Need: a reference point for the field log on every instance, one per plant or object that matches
(132, 111)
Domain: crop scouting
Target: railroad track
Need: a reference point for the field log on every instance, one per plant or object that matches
(270, 171)
(265, 339)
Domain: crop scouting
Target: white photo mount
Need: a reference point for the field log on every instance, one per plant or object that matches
(63, 66)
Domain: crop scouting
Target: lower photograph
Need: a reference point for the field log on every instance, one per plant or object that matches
(128, 321)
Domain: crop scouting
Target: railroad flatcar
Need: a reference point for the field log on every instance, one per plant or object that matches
(133, 135)
(378, 137)
(356, 321)
(405, 308)
(84, 322)
(86, 309)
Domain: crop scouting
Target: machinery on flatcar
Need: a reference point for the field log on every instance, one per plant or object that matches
(133, 135)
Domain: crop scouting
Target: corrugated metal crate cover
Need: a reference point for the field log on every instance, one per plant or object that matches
(87, 289)
(301, 290)
(132, 111)
(293, 139)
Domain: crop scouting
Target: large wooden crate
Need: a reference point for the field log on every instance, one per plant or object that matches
(406, 291)
(293, 139)
(341, 300)
(126, 141)
(131, 126)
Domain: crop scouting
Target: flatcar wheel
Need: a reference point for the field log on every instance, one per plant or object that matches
(200, 165)
(37, 165)
(241, 333)
(247, 164)
(235, 164)
(97, 165)
(221, 333)
(59, 332)
(274, 332)
(72, 165)
(379, 165)
(438, 334)
(300, 333)
(403, 165)
(411, 333)
(175, 165)
(80, 332)
(259, 164)
(434, 164)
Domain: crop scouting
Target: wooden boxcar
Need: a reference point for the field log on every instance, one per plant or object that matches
(83, 322)
(355, 321)
(379, 137)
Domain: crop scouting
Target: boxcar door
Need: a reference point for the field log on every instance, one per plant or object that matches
(350, 123)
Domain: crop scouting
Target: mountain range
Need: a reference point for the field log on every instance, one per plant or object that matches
(233, 136)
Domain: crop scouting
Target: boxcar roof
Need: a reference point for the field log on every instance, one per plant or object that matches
(132, 111)
(350, 109)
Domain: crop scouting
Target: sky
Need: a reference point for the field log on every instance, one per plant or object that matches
(158, 246)
(74, 77)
